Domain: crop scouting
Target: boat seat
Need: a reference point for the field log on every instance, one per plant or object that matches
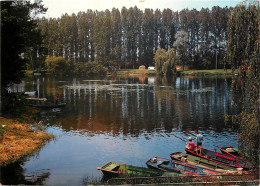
(169, 168)
(230, 150)
(112, 167)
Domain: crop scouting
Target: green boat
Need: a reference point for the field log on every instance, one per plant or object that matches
(199, 161)
(232, 151)
(115, 169)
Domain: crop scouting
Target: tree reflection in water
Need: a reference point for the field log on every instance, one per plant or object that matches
(14, 174)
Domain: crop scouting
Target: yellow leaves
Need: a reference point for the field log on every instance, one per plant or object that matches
(19, 127)
(19, 141)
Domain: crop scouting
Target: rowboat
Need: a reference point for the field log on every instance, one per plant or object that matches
(232, 151)
(48, 106)
(30, 93)
(201, 162)
(37, 99)
(115, 169)
(221, 158)
(168, 165)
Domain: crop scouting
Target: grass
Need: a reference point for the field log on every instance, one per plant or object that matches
(133, 72)
(221, 72)
(199, 73)
(17, 137)
(19, 140)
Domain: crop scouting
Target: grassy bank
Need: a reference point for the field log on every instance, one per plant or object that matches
(136, 72)
(19, 140)
(214, 72)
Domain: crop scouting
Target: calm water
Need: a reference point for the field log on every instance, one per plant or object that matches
(125, 120)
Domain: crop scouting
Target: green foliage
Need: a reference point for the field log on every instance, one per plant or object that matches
(165, 62)
(19, 35)
(89, 68)
(244, 52)
(160, 58)
(181, 46)
(56, 65)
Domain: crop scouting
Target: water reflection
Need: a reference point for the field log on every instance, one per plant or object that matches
(14, 174)
(133, 105)
(127, 120)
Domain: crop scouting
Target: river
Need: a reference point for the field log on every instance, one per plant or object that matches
(124, 120)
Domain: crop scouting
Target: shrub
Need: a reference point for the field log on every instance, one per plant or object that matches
(89, 68)
(56, 65)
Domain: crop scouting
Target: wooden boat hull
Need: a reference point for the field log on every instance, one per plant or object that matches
(201, 162)
(177, 166)
(48, 106)
(221, 158)
(115, 169)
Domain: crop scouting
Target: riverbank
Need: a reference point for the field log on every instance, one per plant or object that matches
(19, 140)
(214, 72)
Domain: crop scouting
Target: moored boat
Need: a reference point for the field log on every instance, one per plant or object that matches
(37, 99)
(168, 165)
(221, 158)
(114, 169)
(201, 162)
(30, 93)
(232, 151)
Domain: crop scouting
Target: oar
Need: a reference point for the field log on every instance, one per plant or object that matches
(176, 137)
(179, 138)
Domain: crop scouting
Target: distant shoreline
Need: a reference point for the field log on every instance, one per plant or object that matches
(214, 72)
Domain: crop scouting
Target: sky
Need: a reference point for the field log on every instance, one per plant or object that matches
(58, 7)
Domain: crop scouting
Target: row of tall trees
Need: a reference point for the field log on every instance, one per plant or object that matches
(130, 37)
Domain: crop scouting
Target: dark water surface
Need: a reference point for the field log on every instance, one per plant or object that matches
(125, 120)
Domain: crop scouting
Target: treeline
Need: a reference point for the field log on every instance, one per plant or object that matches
(130, 37)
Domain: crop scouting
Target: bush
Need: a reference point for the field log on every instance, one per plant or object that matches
(89, 68)
(56, 65)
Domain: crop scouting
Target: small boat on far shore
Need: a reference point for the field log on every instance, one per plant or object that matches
(37, 99)
(168, 165)
(30, 93)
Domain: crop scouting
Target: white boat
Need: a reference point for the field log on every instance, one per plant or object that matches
(151, 68)
(30, 93)
(38, 99)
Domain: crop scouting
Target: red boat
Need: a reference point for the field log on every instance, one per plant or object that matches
(221, 158)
